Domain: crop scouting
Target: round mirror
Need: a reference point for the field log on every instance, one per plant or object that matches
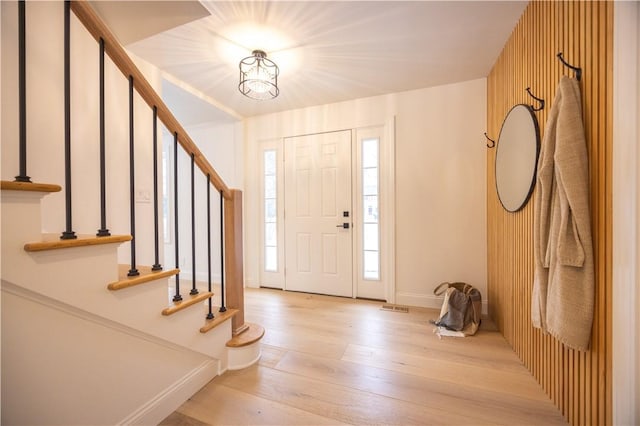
(517, 157)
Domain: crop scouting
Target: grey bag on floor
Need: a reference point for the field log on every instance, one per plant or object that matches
(461, 307)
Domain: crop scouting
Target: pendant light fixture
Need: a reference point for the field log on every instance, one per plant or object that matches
(258, 76)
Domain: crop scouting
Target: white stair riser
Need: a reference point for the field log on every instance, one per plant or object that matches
(21, 221)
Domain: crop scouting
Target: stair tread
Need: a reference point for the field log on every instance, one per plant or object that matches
(220, 318)
(53, 241)
(29, 186)
(146, 275)
(253, 333)
(192, 300)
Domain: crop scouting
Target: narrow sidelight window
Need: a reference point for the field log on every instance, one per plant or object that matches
(370, 209)
(270, 212)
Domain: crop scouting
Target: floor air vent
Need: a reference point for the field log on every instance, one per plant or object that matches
(394, 308)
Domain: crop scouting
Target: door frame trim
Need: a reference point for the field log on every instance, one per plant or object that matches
(387, 186)
(386, 207)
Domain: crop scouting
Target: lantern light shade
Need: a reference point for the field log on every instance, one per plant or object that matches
(258, 76)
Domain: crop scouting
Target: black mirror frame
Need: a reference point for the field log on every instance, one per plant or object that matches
(536, 126)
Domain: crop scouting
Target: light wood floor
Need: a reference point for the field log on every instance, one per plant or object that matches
(329, 360)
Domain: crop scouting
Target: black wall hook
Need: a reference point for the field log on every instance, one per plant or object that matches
(541, 107)
(493, 143)
(565, 63)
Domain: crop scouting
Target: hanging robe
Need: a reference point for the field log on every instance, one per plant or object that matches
(564, 281)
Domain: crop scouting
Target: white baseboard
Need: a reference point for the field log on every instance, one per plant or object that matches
(428, 301)
(167, 401)
(251, 283)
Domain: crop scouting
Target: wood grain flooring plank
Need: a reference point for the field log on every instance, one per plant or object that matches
(216, 404)
(328, 360)
(486, 348)
(338, 402)
(370, 326)
(178, 419)
(270, 355)
(305, 343)
(490, 406)
(445, 370)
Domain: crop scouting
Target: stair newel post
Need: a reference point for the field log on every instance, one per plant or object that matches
(68, 234)
(222, 302)
(156, 266)
(177, 297)
(210, 313)
(22, 93)
(103, 231)
(133, 271)
(233, 259)
(194, 290)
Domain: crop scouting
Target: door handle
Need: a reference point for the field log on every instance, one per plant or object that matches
(344, 225)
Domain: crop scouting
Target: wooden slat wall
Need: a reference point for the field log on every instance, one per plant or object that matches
(579, 383)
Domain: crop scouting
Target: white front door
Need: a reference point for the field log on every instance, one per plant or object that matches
(318, 214)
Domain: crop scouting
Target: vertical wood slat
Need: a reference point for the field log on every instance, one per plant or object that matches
(608, 224)
(577, 382)
(556, 76)
(569, 54)
(582, 373)
(590, 382)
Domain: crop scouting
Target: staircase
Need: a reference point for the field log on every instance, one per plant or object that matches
(87, 339)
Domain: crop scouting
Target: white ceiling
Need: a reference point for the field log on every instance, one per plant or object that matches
(329, 51)
(135, 20)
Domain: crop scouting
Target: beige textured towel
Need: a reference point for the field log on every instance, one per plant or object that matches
(563, 286)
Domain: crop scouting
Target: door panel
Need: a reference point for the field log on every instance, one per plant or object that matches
(317, 192)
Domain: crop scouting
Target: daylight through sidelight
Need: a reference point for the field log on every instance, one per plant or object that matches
(370, 210)
(270, 212)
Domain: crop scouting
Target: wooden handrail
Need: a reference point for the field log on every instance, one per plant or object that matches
(92, 22)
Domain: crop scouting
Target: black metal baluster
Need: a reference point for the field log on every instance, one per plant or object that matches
(210, 314)
(133, 271)
(22, 94)
(177, 297)
(194, 290)
(103, 231)
(222, 307)
(156, 266)
(68, 234)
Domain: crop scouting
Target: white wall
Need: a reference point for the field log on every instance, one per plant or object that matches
(626, 210)
(45, 121)
(221, 144)
(439, 183)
